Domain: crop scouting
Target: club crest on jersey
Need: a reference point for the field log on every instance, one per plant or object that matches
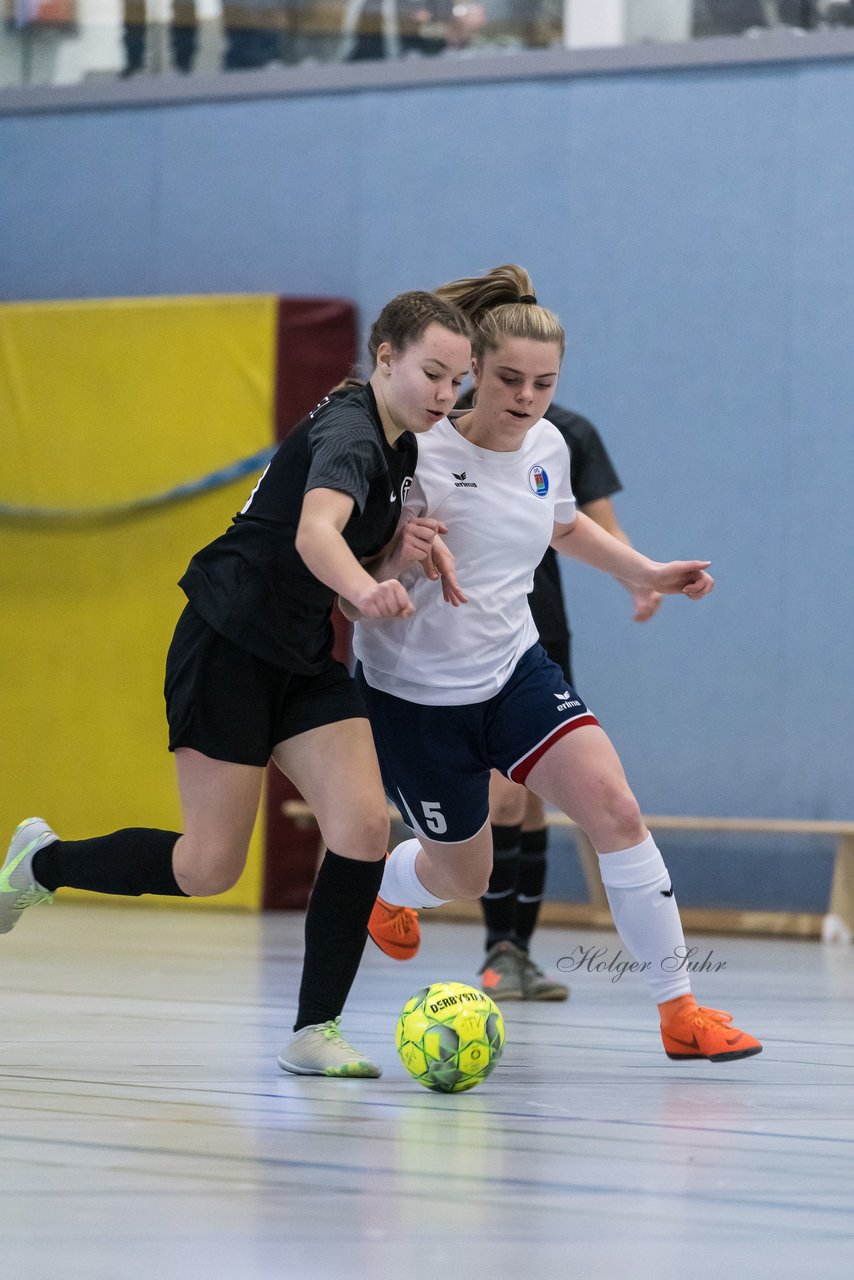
(539, 481)
(404, 488)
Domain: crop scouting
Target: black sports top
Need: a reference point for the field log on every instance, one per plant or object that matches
(250, 584)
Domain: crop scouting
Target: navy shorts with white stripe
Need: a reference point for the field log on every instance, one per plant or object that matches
(436, 760)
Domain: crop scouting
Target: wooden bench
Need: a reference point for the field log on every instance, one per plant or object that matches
(841, 905)
(834, 925)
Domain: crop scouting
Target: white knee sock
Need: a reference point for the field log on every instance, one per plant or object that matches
(401, 886)
(646, 916)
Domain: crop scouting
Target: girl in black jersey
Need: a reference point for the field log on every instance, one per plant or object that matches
(250, 677)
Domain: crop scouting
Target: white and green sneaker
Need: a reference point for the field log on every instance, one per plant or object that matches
(321, 1050)
(18, 887)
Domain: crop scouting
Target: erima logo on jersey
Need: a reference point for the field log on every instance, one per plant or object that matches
(539, 481)
(460, 481)
(566, 705)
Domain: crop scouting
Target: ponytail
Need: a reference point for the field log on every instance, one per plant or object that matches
(503, 304)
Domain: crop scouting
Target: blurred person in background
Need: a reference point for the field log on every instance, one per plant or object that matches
(373, 29)
(253, 31)
(183, 35)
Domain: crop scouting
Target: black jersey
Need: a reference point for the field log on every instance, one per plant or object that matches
(592, 476)
(251, 585)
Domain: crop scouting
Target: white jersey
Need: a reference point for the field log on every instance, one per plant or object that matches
(500, 510)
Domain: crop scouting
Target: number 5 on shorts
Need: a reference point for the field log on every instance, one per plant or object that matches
(433, 817)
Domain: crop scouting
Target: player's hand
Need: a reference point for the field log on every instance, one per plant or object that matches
(442, 561)
(647, 604)
(683, 577)
(421, 543)
(388, 599)
(416, 544)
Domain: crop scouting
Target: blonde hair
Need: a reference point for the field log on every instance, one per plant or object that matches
(502, 304)
(404, 320)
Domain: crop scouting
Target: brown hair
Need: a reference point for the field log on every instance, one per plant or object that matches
(502, 304)
(405, 319)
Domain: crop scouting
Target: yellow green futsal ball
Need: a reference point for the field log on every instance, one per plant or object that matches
(450, 1036)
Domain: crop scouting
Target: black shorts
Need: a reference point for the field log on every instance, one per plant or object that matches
(230, 705)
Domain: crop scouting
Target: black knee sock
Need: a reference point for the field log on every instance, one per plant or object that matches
(133, 861)
(499, 901)
(530, 884)
(336, 930)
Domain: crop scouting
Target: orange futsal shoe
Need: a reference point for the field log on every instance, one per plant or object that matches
(696, 1032)
(395, 930)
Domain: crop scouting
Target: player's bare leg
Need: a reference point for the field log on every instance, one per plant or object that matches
(424, 873)
(219, 801)
(582, 775)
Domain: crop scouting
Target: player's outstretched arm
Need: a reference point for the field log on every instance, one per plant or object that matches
(584, 540)
(646, 602)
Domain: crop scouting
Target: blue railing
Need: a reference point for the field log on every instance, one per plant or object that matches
(135, 506)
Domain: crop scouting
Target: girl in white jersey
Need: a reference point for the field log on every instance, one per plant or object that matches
(453, 693)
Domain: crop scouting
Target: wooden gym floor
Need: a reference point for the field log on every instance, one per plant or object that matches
(147, 1133)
